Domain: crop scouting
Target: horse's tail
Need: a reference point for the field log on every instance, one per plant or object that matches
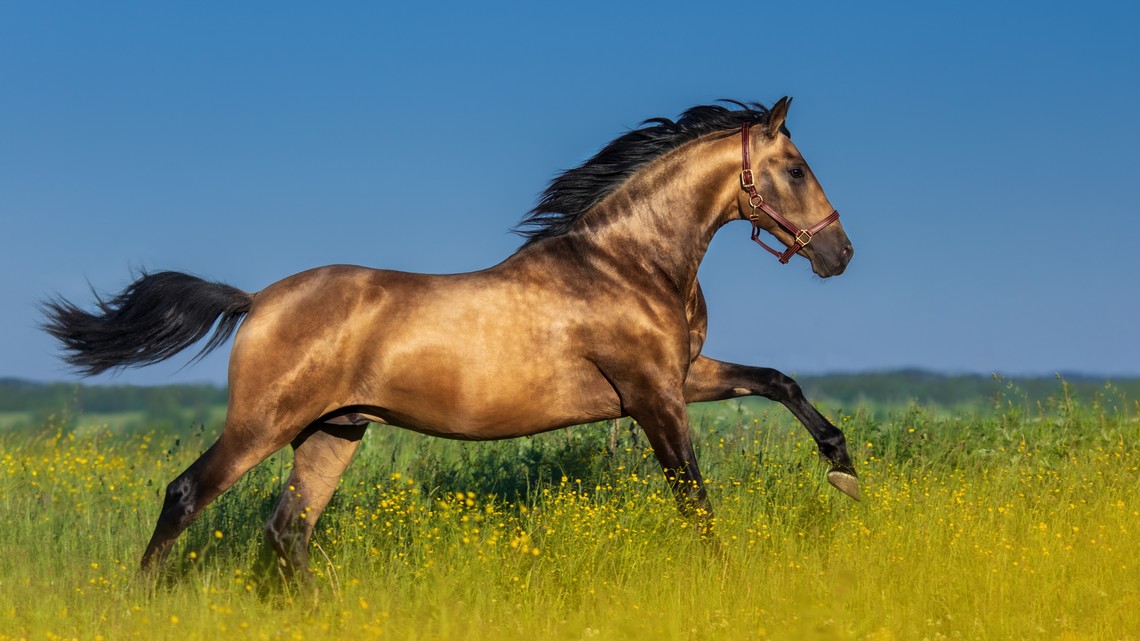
(151, 320)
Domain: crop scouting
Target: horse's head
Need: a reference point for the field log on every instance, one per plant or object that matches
(782, 196)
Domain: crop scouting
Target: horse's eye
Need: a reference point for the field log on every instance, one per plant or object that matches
(796, 172)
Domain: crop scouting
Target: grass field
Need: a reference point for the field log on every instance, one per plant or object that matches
(1000, 523)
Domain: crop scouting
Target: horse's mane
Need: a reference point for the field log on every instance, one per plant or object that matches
(575, 191)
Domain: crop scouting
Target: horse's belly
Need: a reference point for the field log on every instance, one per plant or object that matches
(489, 401)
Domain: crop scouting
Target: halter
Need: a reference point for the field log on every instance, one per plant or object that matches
(801, 237)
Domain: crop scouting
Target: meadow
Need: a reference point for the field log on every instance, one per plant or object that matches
(1010, 519)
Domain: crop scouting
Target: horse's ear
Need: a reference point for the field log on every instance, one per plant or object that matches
(777, 115)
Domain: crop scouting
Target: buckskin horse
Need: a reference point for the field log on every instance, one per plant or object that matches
(526, 346)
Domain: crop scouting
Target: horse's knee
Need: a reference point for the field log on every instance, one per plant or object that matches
(785, 385)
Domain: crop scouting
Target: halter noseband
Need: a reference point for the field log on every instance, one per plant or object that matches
(801, 237)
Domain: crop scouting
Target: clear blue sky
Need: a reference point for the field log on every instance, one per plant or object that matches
(984, 156)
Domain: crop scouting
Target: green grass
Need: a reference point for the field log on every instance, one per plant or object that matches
(13, 419)
(1002, 522)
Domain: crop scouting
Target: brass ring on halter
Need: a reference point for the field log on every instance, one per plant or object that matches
(801, 235)
(752, 200)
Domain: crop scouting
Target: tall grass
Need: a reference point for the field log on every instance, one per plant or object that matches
(1009, 522)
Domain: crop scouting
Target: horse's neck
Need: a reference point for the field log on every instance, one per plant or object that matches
(663, 219)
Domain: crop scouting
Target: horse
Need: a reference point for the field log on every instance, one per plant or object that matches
(526, 346)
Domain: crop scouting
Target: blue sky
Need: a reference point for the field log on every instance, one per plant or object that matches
(983, 155)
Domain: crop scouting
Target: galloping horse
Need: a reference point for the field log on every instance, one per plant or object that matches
(526, 346)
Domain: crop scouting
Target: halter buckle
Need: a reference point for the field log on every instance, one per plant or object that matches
(746, 179)
(803, 237)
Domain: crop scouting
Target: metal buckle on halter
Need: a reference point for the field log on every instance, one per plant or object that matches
(746, 179)
(755, 200)
(801, 235)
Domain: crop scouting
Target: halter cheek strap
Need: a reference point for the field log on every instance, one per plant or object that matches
(801, 237)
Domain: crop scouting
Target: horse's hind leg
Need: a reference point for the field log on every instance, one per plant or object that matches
(711, 380)
(227, 460)
(320, 455)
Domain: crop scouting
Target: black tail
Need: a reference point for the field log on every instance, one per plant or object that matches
(151, 320)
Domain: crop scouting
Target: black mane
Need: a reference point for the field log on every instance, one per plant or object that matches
(575, 191)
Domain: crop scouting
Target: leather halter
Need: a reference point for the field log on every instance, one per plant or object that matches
(801, 237)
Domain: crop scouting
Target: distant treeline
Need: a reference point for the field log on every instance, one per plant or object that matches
(929, 388)
(25, 396)
(879, 388)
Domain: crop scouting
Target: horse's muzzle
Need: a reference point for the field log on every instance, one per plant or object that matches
(831, 258)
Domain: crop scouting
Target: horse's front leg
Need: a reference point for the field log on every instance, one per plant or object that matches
(664, 418)
(711, 380)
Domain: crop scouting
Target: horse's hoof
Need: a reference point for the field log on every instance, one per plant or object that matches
(845, 482)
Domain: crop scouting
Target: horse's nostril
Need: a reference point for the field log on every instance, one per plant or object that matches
(847, 252)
